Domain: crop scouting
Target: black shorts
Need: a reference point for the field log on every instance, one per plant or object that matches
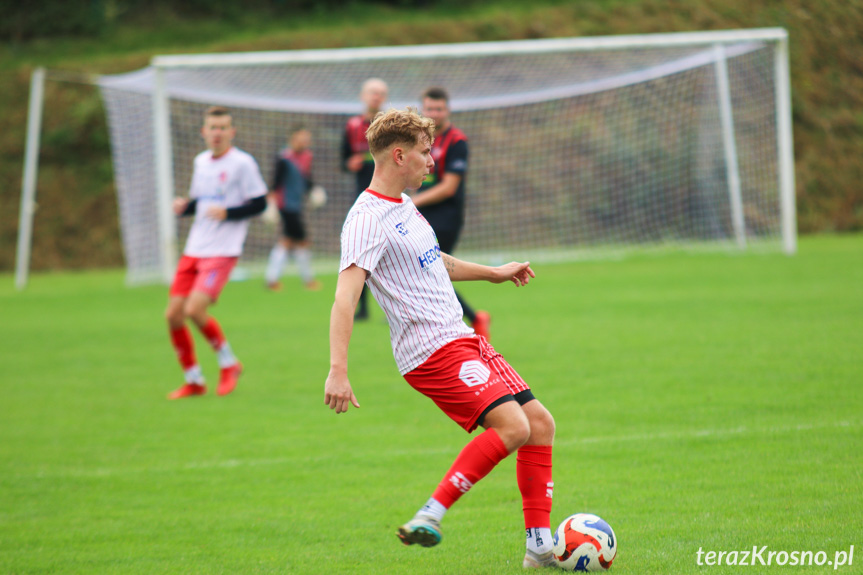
(292, 225)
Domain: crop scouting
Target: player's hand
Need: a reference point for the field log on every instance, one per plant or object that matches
(338, 394)
(518, 273)
(217, 213)
(179, 205)
(355, 162)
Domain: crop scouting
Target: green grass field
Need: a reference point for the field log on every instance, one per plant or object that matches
(702, 401)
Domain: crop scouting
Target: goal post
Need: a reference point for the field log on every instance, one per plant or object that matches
(577, 145)
(28, 182)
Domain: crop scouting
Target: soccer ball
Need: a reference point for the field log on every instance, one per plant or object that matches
(584, 542)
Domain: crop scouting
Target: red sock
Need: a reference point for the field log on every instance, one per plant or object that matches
(213, 332)
(474, 462)
(533, 471)
(184, 346)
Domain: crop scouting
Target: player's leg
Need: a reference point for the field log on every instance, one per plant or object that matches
(471, 393)
(533, 470)
(300, 248)
(208, 286)
(278, 256)
(181, 337)
(533, 461)
(506, 430)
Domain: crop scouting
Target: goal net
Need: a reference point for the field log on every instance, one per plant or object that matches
(577, 146)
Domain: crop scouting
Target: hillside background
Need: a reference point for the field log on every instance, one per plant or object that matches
(76, 222)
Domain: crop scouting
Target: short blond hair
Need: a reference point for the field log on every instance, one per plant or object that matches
(398, 127)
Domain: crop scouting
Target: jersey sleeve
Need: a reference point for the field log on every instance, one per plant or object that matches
(456, 158)
(252, 181)
(363, 242)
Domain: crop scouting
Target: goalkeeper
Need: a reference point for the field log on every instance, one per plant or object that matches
(292, 180)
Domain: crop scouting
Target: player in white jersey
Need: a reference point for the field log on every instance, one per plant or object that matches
(389, 246)
(227, 189)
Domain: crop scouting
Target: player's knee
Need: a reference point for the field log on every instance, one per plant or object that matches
(542, 427)
(515, 433)
(174, 315)
(194, 309)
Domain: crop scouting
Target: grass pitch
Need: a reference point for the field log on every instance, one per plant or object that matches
(706, 401)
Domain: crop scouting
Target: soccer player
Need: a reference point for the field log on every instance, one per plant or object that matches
(227, 189)
(292, 180)
(441, 198)
(388, 245)
(356, 157)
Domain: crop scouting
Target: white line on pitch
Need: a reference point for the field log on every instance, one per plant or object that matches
(640, 437)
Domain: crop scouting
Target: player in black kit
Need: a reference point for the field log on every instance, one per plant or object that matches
(356, 157)
(441, 199)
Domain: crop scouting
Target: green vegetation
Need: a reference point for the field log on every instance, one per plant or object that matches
(701, 401)
(76, 225)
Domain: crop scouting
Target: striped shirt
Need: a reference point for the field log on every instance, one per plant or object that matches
(397, 247)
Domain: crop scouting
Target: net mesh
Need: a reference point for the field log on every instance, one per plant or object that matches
(571, 153)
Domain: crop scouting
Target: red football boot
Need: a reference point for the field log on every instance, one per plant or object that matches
(188, 390)
(228, 378)
(481, 324)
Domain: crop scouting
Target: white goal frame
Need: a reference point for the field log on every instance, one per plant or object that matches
(718, 40)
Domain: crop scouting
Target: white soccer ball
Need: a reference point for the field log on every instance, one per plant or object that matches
(317, 197)
(584, 542)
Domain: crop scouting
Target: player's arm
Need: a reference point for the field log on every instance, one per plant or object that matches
(439, 192)
(351, 162)
(251, 208)
(460, 271)
(184, 206)
(280, 175)
(338, 394)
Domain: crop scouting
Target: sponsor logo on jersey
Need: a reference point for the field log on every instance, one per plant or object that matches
(401, 229)
(457, 165)
(429, 257)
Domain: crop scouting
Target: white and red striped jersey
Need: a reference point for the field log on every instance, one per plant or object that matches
(228, 181)
(399, 251)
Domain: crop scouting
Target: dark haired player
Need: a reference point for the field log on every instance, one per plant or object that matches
(227, 189)
(293, 179)
(441, 198)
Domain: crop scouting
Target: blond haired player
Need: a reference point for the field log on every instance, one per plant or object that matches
(389, 246)
(227, 189)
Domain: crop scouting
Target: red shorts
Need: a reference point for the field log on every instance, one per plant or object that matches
(208, 275)
(464, 378)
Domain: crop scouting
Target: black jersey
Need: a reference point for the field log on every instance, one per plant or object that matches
(450, 153)
(355, 142)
